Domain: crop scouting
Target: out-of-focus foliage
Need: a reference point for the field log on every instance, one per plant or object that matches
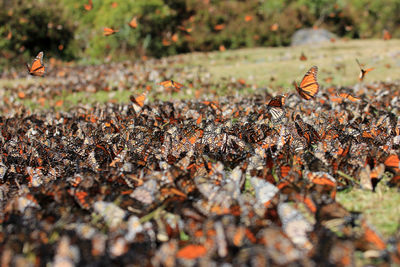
(161, 23)
(27, 27)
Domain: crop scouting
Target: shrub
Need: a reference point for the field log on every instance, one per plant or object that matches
(29, 27)
(45, 25)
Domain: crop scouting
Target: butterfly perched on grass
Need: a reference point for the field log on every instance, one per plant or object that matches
(37, 68)
(309, 86)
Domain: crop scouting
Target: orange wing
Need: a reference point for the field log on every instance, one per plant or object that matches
(309, 86)
(349, 97)
(37, 68)
(133, 23)
(277, 101)
(109, 31)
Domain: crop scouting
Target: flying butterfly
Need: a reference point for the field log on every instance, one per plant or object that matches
(139, 101)
(171, 84)
(185, 30)
(109, 31)
(363, 72)
(309, 86)
(88, 6)
(133, 23)
(37, 68)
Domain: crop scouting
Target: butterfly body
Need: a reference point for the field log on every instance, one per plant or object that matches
(37, 68)
(309, 86)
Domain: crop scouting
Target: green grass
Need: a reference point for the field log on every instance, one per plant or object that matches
(381, 208)
(278, 67)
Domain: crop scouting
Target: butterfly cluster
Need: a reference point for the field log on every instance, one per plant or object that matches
(244, 181)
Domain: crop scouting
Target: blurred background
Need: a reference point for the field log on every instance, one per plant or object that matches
(73, 29)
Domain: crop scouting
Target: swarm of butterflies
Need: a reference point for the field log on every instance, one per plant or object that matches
(238, 181)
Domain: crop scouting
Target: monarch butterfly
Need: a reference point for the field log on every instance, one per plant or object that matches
(171, 84)
(275, 108)
(277, 101)
(349, 97)
(185, 30)
(309, 86)
(386, 35)
(109, 31)
(363, 72)
(88, 6)
(248, 18)
(133, 23)
(219, 27)
(139, 101)
(303, 57)
(37, 68)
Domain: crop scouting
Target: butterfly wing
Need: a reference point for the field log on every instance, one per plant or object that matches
(309, 86)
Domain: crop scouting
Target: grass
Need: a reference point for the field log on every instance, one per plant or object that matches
(278, 67)
(380, 208)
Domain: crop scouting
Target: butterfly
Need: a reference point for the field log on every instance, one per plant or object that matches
(363, 72)
(88, 6)
(109, 31)
(185, 30)
(139, 101)
(248, 18)
(171, 84)
(309, 86)
(133, 23)
(386, 35)
(277, 101)
(275, 108)
(37, 68)
(349, 97)
(219, 27)
(303, 57)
